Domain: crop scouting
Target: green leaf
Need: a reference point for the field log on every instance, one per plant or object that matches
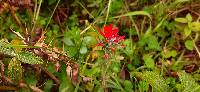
(134, 13)
(153, 43)
(195, 26)
(89, 40)
(83, 50)
(181, 20)
(28, 57)
(187, 31)
(173, 53)
(5, 49)
(149, 62)
(15, 69)
(68, 42)
(168, 54)
(156, 81)
(189, 44)
(189, 17)
(128, 85)
(66, 84)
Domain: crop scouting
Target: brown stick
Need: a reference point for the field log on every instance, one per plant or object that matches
(51, 76)
(7, 88)
(47, 73)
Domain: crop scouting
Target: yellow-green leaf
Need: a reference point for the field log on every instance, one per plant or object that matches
(181, 20)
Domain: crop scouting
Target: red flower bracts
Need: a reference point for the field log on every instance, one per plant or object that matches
(111, 34)
(111, 39)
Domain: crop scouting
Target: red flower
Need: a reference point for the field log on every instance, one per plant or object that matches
(111, 34)
(111, 39)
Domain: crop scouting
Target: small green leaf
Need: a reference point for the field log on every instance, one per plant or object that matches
(195, 26)
(173, 53)
(149, 62)
(189, 44)
(153, 44)
(187, 31)
(128, 85)
(181, 20)
(68, 42)
(189, 17)
(83, 50)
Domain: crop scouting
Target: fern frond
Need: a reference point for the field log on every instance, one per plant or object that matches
(156, 81)
(28, 57)
(188, 83)
(6, 50)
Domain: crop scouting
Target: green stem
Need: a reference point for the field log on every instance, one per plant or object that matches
(36, 15)
(109, 3)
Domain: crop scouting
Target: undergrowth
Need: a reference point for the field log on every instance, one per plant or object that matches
(99, 45)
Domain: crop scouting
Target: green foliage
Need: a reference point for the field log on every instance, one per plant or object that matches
(48, 86)
(156, 81)
(149, 62)
(5, 50)
(151, 45)
(28, 57)
(188, 84)
(189, 44)
(15, 70)
(189, 25)
(66, 84)
(143, 86)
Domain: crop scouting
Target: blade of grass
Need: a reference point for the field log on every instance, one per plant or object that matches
(85, 9)
(108, 10)
(36, 15)
(51, 15)
(134, 13)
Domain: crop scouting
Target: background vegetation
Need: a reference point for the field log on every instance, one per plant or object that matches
(56, 46)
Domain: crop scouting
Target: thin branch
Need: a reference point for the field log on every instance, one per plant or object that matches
(47, 73)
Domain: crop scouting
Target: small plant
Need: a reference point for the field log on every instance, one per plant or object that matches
(111, 39)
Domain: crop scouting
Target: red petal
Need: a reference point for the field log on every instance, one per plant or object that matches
(119, 39)
(100, 44)
(115, 32)
(108, 31)
(99, 30)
